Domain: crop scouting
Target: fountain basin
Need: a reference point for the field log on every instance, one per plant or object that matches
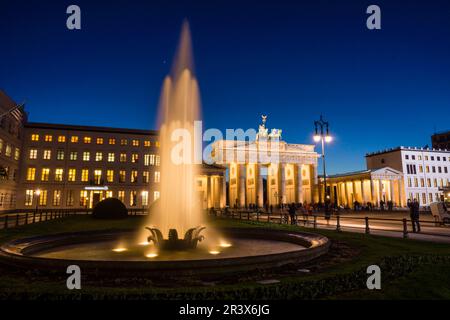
(253, 248)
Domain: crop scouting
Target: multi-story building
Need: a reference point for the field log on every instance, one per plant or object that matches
(441, 140)
(11, 124)
(425, 171)
(69, 166)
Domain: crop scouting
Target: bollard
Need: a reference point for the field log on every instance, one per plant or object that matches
(257, 215)
(315, 222)
(40, 216)
(46, 215)
(281, 217)
(6, 222)
(268, 216)
(338, 223)
(367, 225)
(17, 220)
(248, 215)
(26, 218)
(405, 229)
(34, 217)
(240, 215)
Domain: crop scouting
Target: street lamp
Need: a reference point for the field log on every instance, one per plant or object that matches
(37, 192)
(322, 134)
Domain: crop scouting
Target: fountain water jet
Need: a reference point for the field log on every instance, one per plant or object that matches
(179, 206)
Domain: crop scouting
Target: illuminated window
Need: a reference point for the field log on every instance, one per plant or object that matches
(157, 176)
(98, 176)
(61, 138)
(134, 176)
(111, 157)
(133, 198)
(146, 176)
(135, 143)
(57, 198)
(147, 143)
(122, 176)
(112, 141)
(29, 194)
(86, 156)
(1, 145)
(31, 174)
(72, 175)
(59, 174)
(157, 160)
(16, 154)
(87, 139)
(85, 175)
(121, 195)
(152, 159)
(134, 158)
(144, 195)
(73, 155)
(420, 169)
(8, 150)
(155, 195)
(99, 140)
(74, 139)
(34, 137)
(110, 175)
(70, 200)
(98, 156)
(146, 159)
(123, 142)
(48, 138)
(60, 155)
(83, 198)
(109, 194)
(47, 155)
(123, 157)
(43, 198)
(157, 144)
(33, 154)
(45, 174)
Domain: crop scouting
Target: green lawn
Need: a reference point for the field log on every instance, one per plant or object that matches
(410, 270)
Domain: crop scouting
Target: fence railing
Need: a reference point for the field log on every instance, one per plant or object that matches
(25, 217)
(338, 221)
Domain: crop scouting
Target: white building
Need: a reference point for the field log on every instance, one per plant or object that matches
(425, 171)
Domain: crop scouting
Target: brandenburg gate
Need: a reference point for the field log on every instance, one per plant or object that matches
(268, 171)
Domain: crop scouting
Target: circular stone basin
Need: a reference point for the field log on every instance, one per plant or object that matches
(251, 248)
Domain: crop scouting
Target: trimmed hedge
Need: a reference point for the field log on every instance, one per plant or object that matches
(110, 208)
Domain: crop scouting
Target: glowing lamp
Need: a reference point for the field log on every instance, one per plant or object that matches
(151, 255)
(120, 249)
(316, 138)
(328, 138)
(214, 252)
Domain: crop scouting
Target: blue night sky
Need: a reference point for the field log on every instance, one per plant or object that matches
(292, 60)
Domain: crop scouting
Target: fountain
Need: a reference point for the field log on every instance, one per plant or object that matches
(156, 249)
(178, 210)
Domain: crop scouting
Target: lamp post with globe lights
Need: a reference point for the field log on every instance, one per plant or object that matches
(322, 135)
(37, 192)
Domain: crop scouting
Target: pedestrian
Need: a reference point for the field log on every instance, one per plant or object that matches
(416, 216)
(292, 213)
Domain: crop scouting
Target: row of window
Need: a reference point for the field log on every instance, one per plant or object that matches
(426, 158)
(436, 183)
(95, 177)
(31, 197)
(7, 200)
(422, 198)
(149, 159)
(7, 150)
(412, 169)
(88, 140)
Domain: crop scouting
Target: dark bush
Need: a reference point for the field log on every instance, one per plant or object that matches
(110, 208)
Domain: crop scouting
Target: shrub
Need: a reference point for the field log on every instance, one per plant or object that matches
(110, 208)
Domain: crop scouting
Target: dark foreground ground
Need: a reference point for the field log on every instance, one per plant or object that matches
(411, 269)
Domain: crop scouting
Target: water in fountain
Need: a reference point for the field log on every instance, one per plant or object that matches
(179, 205)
